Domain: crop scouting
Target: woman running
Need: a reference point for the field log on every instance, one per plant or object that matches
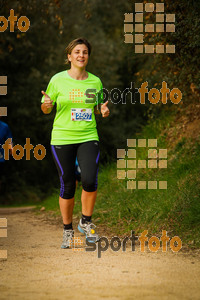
(74, 134)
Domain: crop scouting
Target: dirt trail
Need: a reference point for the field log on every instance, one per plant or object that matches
(37, 268)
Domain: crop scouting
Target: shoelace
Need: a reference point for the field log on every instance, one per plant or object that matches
(90, 226)
(68, 234)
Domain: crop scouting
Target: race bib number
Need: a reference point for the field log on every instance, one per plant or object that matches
(81, 114)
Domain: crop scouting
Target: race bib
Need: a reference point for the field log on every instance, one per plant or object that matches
(81, 114)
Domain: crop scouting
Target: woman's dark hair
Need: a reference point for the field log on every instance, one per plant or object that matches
(73, 44)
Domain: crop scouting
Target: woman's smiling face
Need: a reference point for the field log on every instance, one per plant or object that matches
(79, 56)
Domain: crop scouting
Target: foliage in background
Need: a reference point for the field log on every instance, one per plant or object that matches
(30, 59)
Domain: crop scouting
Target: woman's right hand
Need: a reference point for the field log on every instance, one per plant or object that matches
(47, 106)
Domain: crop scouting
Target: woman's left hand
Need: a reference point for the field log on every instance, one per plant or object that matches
(105, 110)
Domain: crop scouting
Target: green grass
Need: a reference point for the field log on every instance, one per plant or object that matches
(176, 209)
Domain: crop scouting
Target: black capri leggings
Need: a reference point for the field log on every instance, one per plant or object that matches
(88, 158)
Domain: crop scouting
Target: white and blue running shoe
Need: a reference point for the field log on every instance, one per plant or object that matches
(88, 229)
(68, 236)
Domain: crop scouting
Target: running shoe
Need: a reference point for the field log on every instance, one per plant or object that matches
(68, 236)
(88, 229)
